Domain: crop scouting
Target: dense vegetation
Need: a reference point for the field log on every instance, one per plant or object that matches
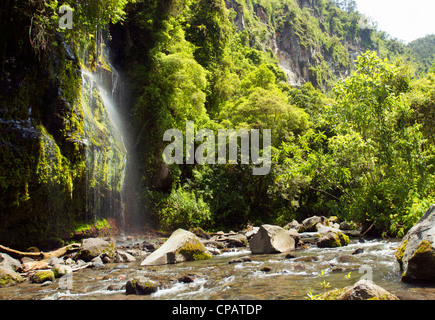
(361, 150)
(359, 146)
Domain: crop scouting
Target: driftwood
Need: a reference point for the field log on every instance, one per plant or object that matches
(40, 255)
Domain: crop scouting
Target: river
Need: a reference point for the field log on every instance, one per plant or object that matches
(265, 277)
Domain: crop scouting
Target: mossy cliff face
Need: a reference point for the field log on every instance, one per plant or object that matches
(105, 152)
(61, 161)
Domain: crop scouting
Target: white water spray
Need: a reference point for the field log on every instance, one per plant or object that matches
(106, 155)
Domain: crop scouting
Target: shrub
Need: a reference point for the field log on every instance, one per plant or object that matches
(183, 209)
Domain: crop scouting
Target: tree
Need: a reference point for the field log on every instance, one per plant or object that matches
(391, 162)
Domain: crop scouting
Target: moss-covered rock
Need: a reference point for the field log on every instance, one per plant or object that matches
(400, 251)
(416, 253)
(141, 286)
(93, 247)
(362, 290)
(9, 277)
(194, 251)
(60, 270)
(421, 266)
(42, 276)
(309, 224)
(181, 246)
(333, 240)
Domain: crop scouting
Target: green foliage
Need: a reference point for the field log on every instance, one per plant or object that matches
(387, 159)
(183, 209)
(362, 151)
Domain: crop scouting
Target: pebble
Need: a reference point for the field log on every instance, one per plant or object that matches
(185, 279)
(358, 251)
(240, 260)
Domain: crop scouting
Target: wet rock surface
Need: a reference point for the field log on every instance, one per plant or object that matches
(416, 253)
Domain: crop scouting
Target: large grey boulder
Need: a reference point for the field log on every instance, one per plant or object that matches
(93, 247)
(181, 246)
(416, 253)
(271, 239)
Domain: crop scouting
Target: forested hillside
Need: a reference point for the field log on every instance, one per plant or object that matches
(423, 52)
(352, 126)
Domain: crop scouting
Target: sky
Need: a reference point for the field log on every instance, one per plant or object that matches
(406, 20)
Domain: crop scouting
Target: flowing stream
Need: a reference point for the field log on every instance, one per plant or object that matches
(288, 279)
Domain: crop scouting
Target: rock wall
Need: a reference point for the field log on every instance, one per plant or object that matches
(297, 59)
(45, 148)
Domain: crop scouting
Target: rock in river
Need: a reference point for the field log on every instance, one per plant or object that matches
(42, 275)
(181, 246)
(416, 254)
(271, 239)
(309, 224)
(8, 277)
(93, 247)
(362, 290)
(333, 240)
(141, 286)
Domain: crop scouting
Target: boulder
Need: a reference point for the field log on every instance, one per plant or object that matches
(213, 251)
(9, 277)
(271, 239)
(54, 260)
(8, 262)
(309, 224)
(322, 229)
(122, 256)
(251, 233)
(186, 279)
(181, 246)
(333, 220)
(60, 270)
(93, 247)
(240, 260)
(295, 235)
(199, 232)
(333, 240)
(362, 290)
(292, 225)
(234, 241)
(141, 286)
(416, 253)
(347, 226)
(41, 276)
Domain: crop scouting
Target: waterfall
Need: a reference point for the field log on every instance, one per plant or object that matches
(106, 155)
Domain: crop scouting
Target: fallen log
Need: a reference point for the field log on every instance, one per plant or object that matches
(40, 255)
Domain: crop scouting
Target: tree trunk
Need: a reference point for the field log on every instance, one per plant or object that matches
(40, 255)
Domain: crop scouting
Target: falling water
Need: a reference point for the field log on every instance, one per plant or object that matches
(106, 154)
